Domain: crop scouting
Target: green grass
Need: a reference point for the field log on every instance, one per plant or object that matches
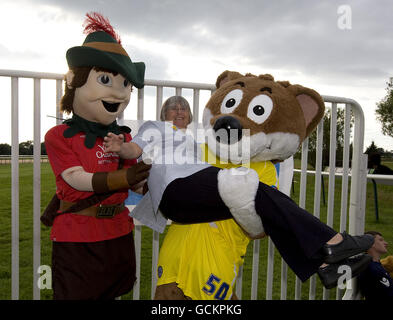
(384, 225)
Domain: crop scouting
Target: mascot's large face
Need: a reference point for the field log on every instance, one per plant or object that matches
(102, 98)
(273, 117)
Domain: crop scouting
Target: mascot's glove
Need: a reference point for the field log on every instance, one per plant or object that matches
(120, 179)
(237, 188)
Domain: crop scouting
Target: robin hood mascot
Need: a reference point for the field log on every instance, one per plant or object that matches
(93, 253)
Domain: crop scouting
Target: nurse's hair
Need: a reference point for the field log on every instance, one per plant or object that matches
(173, 102)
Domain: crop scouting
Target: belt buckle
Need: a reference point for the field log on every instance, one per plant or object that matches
(106, 211)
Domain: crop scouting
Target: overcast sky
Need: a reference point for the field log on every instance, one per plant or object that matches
(341, 48)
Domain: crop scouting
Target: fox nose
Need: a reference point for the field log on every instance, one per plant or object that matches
(228, 130)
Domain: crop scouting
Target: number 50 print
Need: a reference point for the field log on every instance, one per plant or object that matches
(211, 286)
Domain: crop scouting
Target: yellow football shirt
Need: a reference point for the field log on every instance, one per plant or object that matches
(204, 259)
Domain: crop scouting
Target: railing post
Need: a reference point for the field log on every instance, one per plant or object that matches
(332, 171)
(375, 199)
(158, 102)
(59, 94)
(270, 270)
(317, 193)
(141, 93)
(284, 280)
(239, 283)
(195, 103)
(137, 241)
(355, 208)
(255, 269)
(302, 202)
(15, 188)
(36, 188)
(154, 262)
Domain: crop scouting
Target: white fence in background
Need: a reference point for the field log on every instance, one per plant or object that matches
(6, 159)
(355, 187)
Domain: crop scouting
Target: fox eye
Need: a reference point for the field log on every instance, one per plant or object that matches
(105, 79)
(231, 101)
(260, 108)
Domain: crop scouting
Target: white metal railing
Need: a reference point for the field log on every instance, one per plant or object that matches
(356, 192)
(381, 179)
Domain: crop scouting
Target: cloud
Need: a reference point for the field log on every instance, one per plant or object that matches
(156, 63)
(299, 36)
(17, 57)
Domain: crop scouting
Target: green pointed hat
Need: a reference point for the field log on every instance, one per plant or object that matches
(101, 49)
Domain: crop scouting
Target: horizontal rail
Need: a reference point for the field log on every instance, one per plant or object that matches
(148, 82)
(179, 84)
(23, 159)
(379, 178)
(31, 74)
(22, 156)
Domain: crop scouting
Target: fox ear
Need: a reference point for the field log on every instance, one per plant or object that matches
(311, 104)
(227, 76)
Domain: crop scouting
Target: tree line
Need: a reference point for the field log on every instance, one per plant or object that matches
(312, 143)
(384, 111)
(25, 148)
(384, 114)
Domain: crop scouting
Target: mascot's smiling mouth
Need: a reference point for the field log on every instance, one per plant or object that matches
(110, 107)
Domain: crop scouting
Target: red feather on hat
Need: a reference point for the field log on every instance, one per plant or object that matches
(96, 22)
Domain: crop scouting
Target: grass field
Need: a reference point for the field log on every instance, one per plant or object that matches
(384, 225)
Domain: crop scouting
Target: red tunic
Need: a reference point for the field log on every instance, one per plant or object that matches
(64, 153)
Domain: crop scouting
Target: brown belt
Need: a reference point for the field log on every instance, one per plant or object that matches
(101, 211)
